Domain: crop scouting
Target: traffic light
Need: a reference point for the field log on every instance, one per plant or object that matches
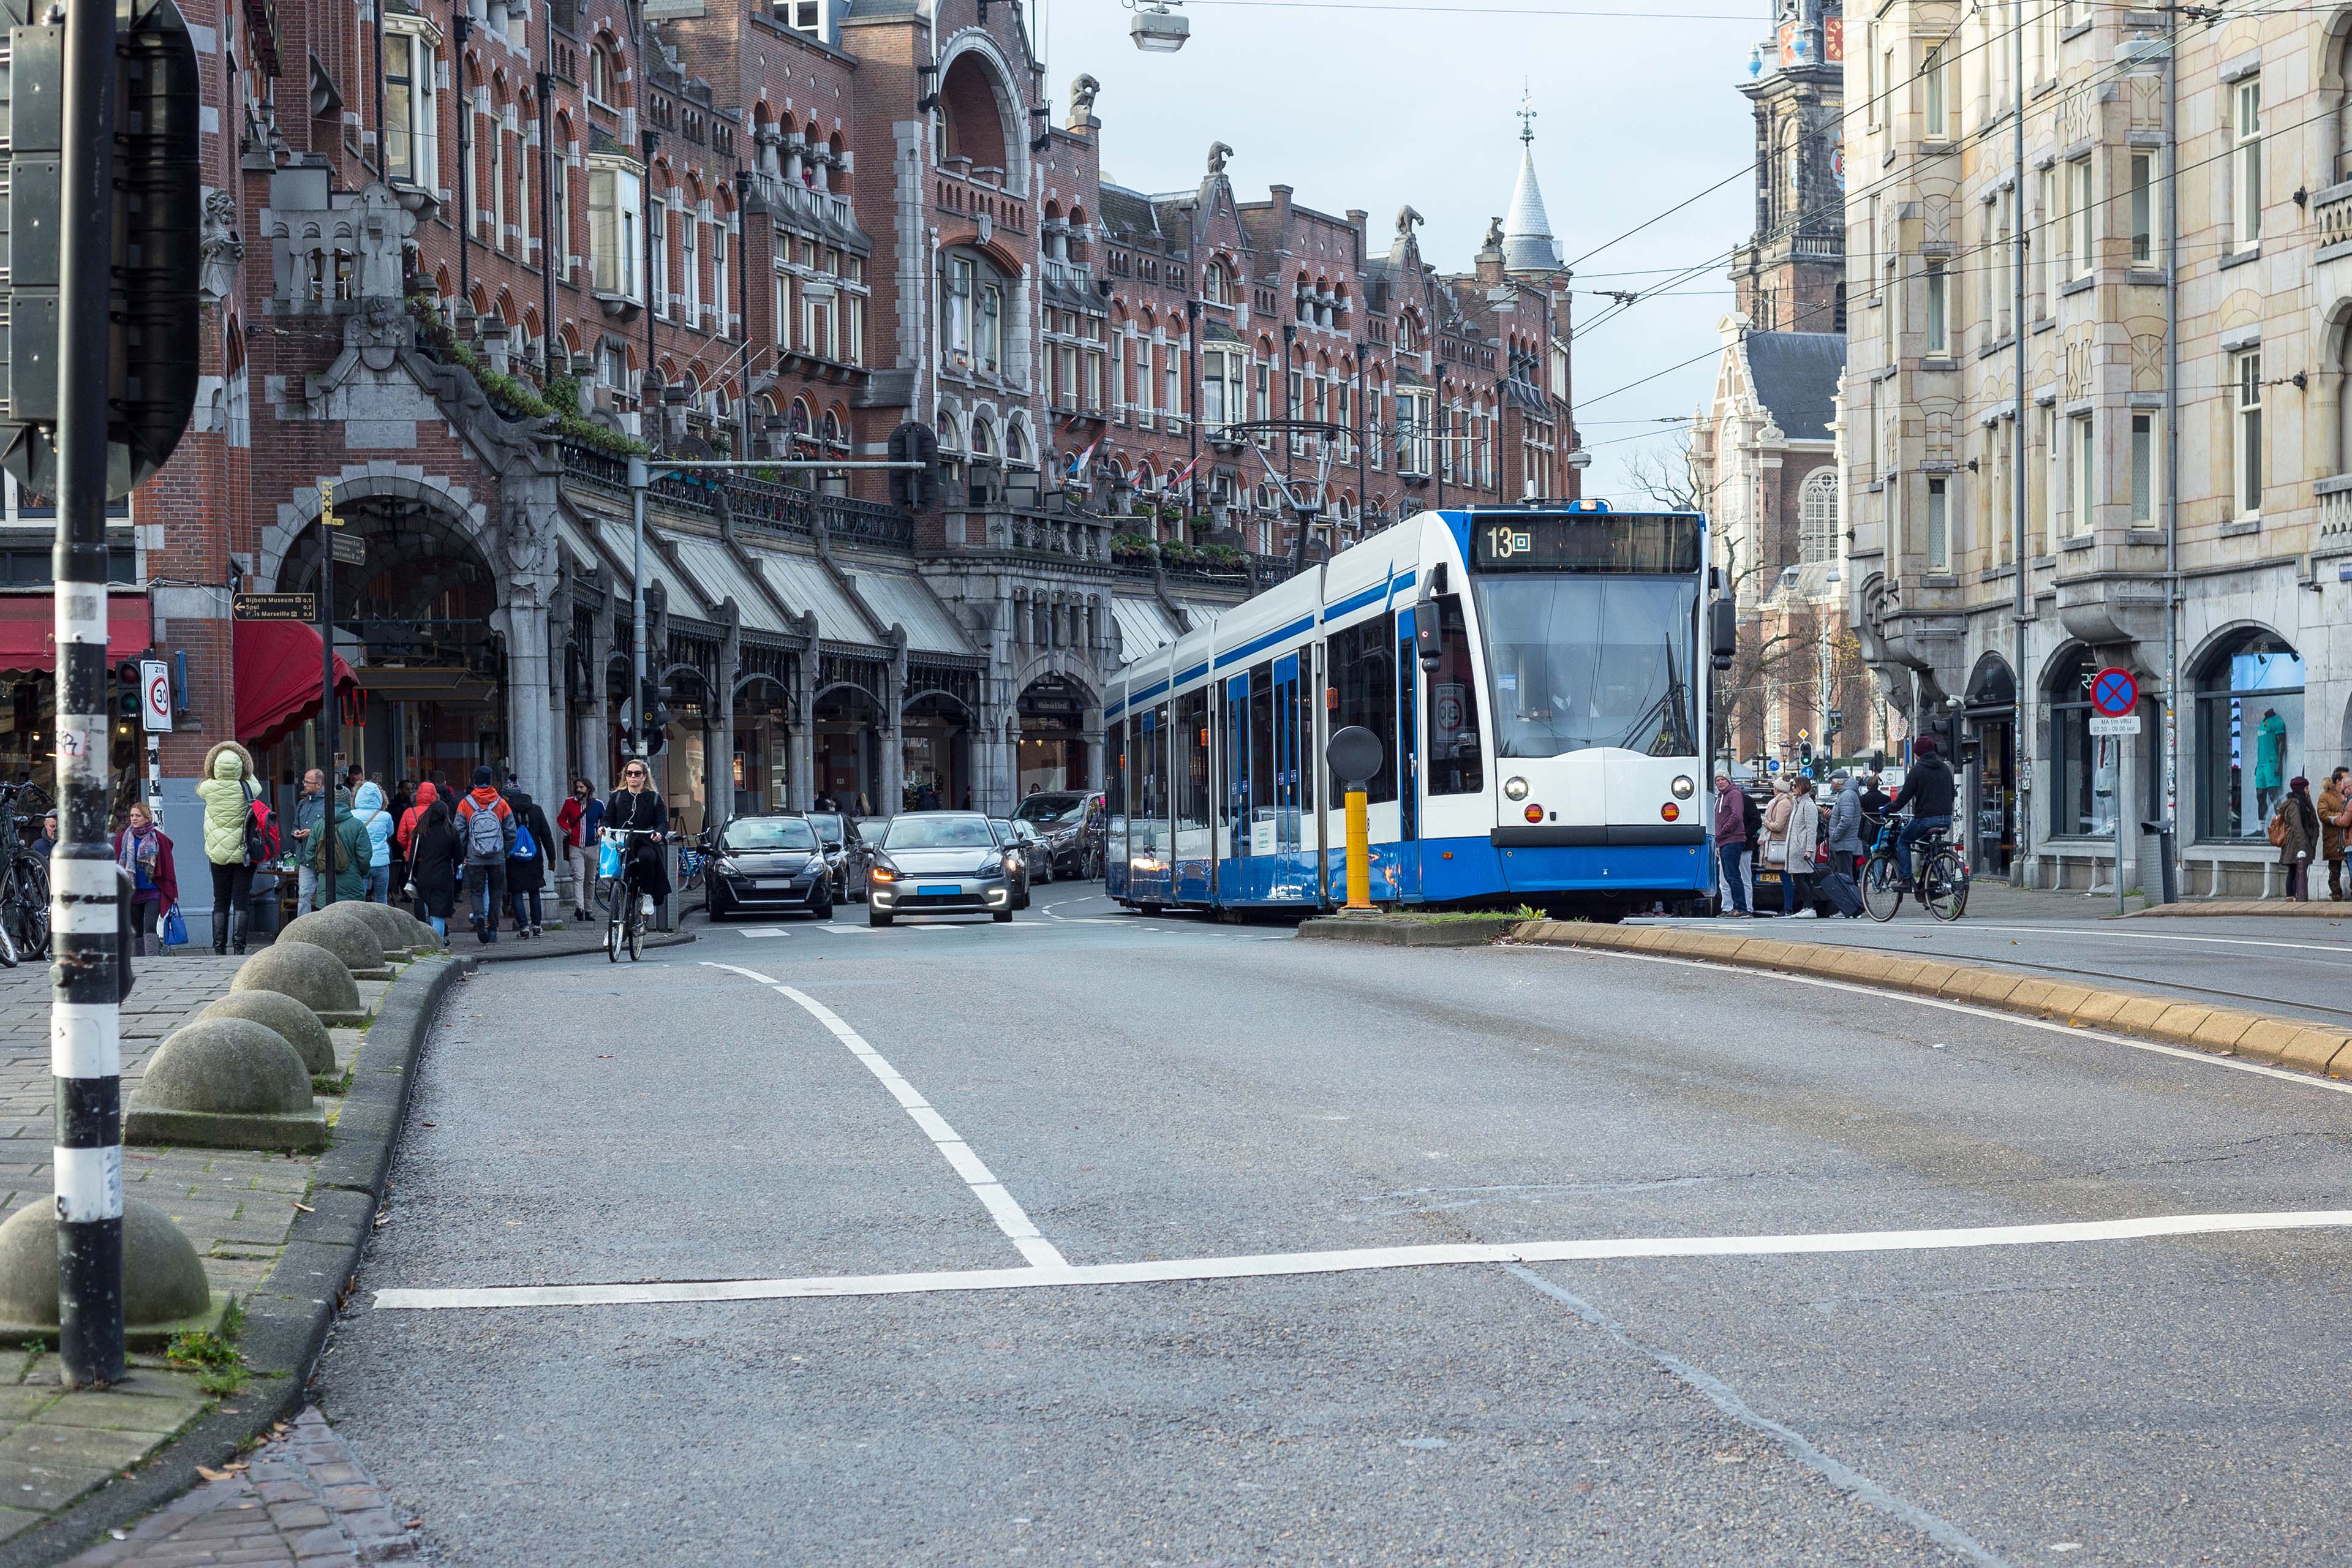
(918, 490)
(1805, 754)
(653, 717)
(127, 685)
(158, 240)
(1836, 723)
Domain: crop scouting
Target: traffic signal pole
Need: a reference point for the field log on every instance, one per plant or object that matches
(86, 996)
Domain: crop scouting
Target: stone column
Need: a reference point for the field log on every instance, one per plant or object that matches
(1092, 732)
(800, 748)
(893, 783)
(718, 743)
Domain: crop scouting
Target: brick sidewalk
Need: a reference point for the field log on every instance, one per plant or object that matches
(302, 1501)
(234, 1206)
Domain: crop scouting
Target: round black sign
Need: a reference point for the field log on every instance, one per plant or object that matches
(1354, 754)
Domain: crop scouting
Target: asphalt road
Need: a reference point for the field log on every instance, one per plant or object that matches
(1179, 1094)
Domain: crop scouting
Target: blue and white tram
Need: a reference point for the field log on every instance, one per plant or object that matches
(1538, 677)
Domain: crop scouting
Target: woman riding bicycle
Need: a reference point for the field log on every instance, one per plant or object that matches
(636, 810)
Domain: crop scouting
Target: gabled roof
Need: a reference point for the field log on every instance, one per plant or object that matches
(1796, 376)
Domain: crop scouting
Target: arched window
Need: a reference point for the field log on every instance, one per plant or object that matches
(2083, 766)
(1817, 517)
(1016, 444)
(2338, 96)
(2340, 350)
(973, 121)
(600, 73)
(972, 296)
(1215, 284)
(2249, 732)
(983, 439)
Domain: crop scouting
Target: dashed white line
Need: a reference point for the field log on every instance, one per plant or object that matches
(1351, 1261)
(1008, 1215)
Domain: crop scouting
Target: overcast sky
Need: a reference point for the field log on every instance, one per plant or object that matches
(1373, 104)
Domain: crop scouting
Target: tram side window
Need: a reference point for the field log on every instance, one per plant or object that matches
(1191, 741)
(1156, 769)
(1457, 760)
(1261, 739)
(1363, 670)
(1310, 696)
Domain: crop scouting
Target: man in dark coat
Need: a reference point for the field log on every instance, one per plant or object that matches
(527, 874)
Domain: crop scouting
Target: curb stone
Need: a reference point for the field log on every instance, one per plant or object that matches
(2293, 1043)
(1410, 933)
(2276, 908)
(286, 1318)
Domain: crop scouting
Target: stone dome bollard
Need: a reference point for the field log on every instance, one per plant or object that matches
(163, 1287)
(395, 929)
(348, 936)
(226, 1083)
(285, 1017)
(311, 975)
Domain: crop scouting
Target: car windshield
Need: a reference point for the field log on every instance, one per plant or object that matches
(769, 833)
(1053, 810)
(872, 828)
(827, 826)
(940, 833)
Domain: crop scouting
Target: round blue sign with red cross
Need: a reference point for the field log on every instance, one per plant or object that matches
(2113, 693)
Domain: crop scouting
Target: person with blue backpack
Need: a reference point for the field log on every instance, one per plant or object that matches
(528, 862)
(485, 829)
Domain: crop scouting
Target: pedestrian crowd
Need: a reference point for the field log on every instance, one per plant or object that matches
(1815, 848)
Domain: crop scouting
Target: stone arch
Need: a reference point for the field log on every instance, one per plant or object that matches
(365, 482)
(976, 75)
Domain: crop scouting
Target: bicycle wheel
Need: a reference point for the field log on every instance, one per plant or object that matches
(637, 940)
(1881, 891)
(1945, 890)
(31, 924)
(612, 929)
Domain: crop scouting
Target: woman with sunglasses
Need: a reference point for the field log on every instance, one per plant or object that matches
(636, 810)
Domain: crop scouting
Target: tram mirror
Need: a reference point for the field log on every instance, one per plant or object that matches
(1355, 754)
(1723, 631)
(1428, 635)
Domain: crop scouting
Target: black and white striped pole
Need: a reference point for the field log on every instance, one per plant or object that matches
(85, 985)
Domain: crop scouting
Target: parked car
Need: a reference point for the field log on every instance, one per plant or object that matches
(769, 862)
(1017, 861)
(939, 863)
(1071, 823)
(833, 832)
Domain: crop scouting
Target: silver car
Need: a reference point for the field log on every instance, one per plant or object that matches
(939, 863)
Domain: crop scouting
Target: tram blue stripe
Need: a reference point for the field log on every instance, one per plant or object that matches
(1260, 643)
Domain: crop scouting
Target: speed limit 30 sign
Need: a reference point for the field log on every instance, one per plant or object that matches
(154, 696)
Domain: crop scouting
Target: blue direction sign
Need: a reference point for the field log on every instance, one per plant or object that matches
(2114, 692)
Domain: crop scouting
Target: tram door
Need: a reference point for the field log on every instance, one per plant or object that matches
(1408, 760)
(1293, 878)
(1232, 856)
(1153, 879)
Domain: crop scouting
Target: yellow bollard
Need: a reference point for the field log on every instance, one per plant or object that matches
(1360, 854)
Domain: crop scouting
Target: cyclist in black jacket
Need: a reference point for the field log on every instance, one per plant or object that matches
(637, 805)
(1928, 789)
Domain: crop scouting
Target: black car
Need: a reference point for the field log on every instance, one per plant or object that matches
(833, 830)
(769, 863)
(1070, 823)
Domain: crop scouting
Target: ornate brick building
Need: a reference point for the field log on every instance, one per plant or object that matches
(462, 274)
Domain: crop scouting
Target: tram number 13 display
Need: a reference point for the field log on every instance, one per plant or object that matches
(1647, 543)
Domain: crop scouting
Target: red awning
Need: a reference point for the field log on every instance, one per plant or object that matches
(276, 669)
(28, 630)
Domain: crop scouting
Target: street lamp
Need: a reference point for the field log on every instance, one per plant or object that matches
(1157, 30)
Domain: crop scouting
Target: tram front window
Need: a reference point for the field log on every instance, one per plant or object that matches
(1584, 661)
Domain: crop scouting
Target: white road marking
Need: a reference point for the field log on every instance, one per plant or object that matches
(2207, 1058)
(1362, 1260)
(762, 931)
(1008, 1215)
(2098, 932)
(1799, 1447)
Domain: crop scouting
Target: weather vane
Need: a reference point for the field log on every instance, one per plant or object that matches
(1528, 112)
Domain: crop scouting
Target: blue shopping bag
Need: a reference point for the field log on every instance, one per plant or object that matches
(608, 858)
(175, 930)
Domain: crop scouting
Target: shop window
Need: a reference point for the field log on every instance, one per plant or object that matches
(2083, 766)
(2249, 736)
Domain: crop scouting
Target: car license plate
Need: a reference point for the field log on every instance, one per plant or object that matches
(772, 881)
(937, 890)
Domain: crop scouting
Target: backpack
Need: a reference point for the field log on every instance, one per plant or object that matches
(485, 839)
(260, 830)
(2278, 826)
(526, 847)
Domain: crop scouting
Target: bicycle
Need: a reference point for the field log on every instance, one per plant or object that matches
(692, 859)
(625, 928)
(1943, 883)
(24, 883)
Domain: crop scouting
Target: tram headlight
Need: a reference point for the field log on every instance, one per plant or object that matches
(1516, 789)
(1682, 788)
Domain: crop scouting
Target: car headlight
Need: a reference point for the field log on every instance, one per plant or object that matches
(1516, 789)
(993, 867)
(1682, 788)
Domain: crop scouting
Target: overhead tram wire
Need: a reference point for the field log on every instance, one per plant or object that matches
(2171, 175)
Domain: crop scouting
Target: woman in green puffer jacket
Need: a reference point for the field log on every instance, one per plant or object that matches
(229, 790)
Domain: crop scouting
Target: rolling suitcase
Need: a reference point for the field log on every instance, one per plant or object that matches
(1839, 890)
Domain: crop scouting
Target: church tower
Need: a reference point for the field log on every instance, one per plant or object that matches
(1790, 277)
(1527, 244)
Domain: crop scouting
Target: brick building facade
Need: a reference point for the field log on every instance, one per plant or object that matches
(462, 273)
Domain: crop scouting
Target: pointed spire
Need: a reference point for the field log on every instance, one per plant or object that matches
(1527, 244)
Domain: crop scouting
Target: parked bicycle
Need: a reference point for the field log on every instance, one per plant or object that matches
(1942, 884)
(24, 879)
(693, 857)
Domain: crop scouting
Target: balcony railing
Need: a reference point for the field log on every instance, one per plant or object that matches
(751, 501)
(2331, 209)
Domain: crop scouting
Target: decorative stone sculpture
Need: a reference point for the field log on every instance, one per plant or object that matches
(285, 1017)
(1218, 154)
(311, 975)
(226, 1083)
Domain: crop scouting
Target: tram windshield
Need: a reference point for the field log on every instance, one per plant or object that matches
(1581, 661)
